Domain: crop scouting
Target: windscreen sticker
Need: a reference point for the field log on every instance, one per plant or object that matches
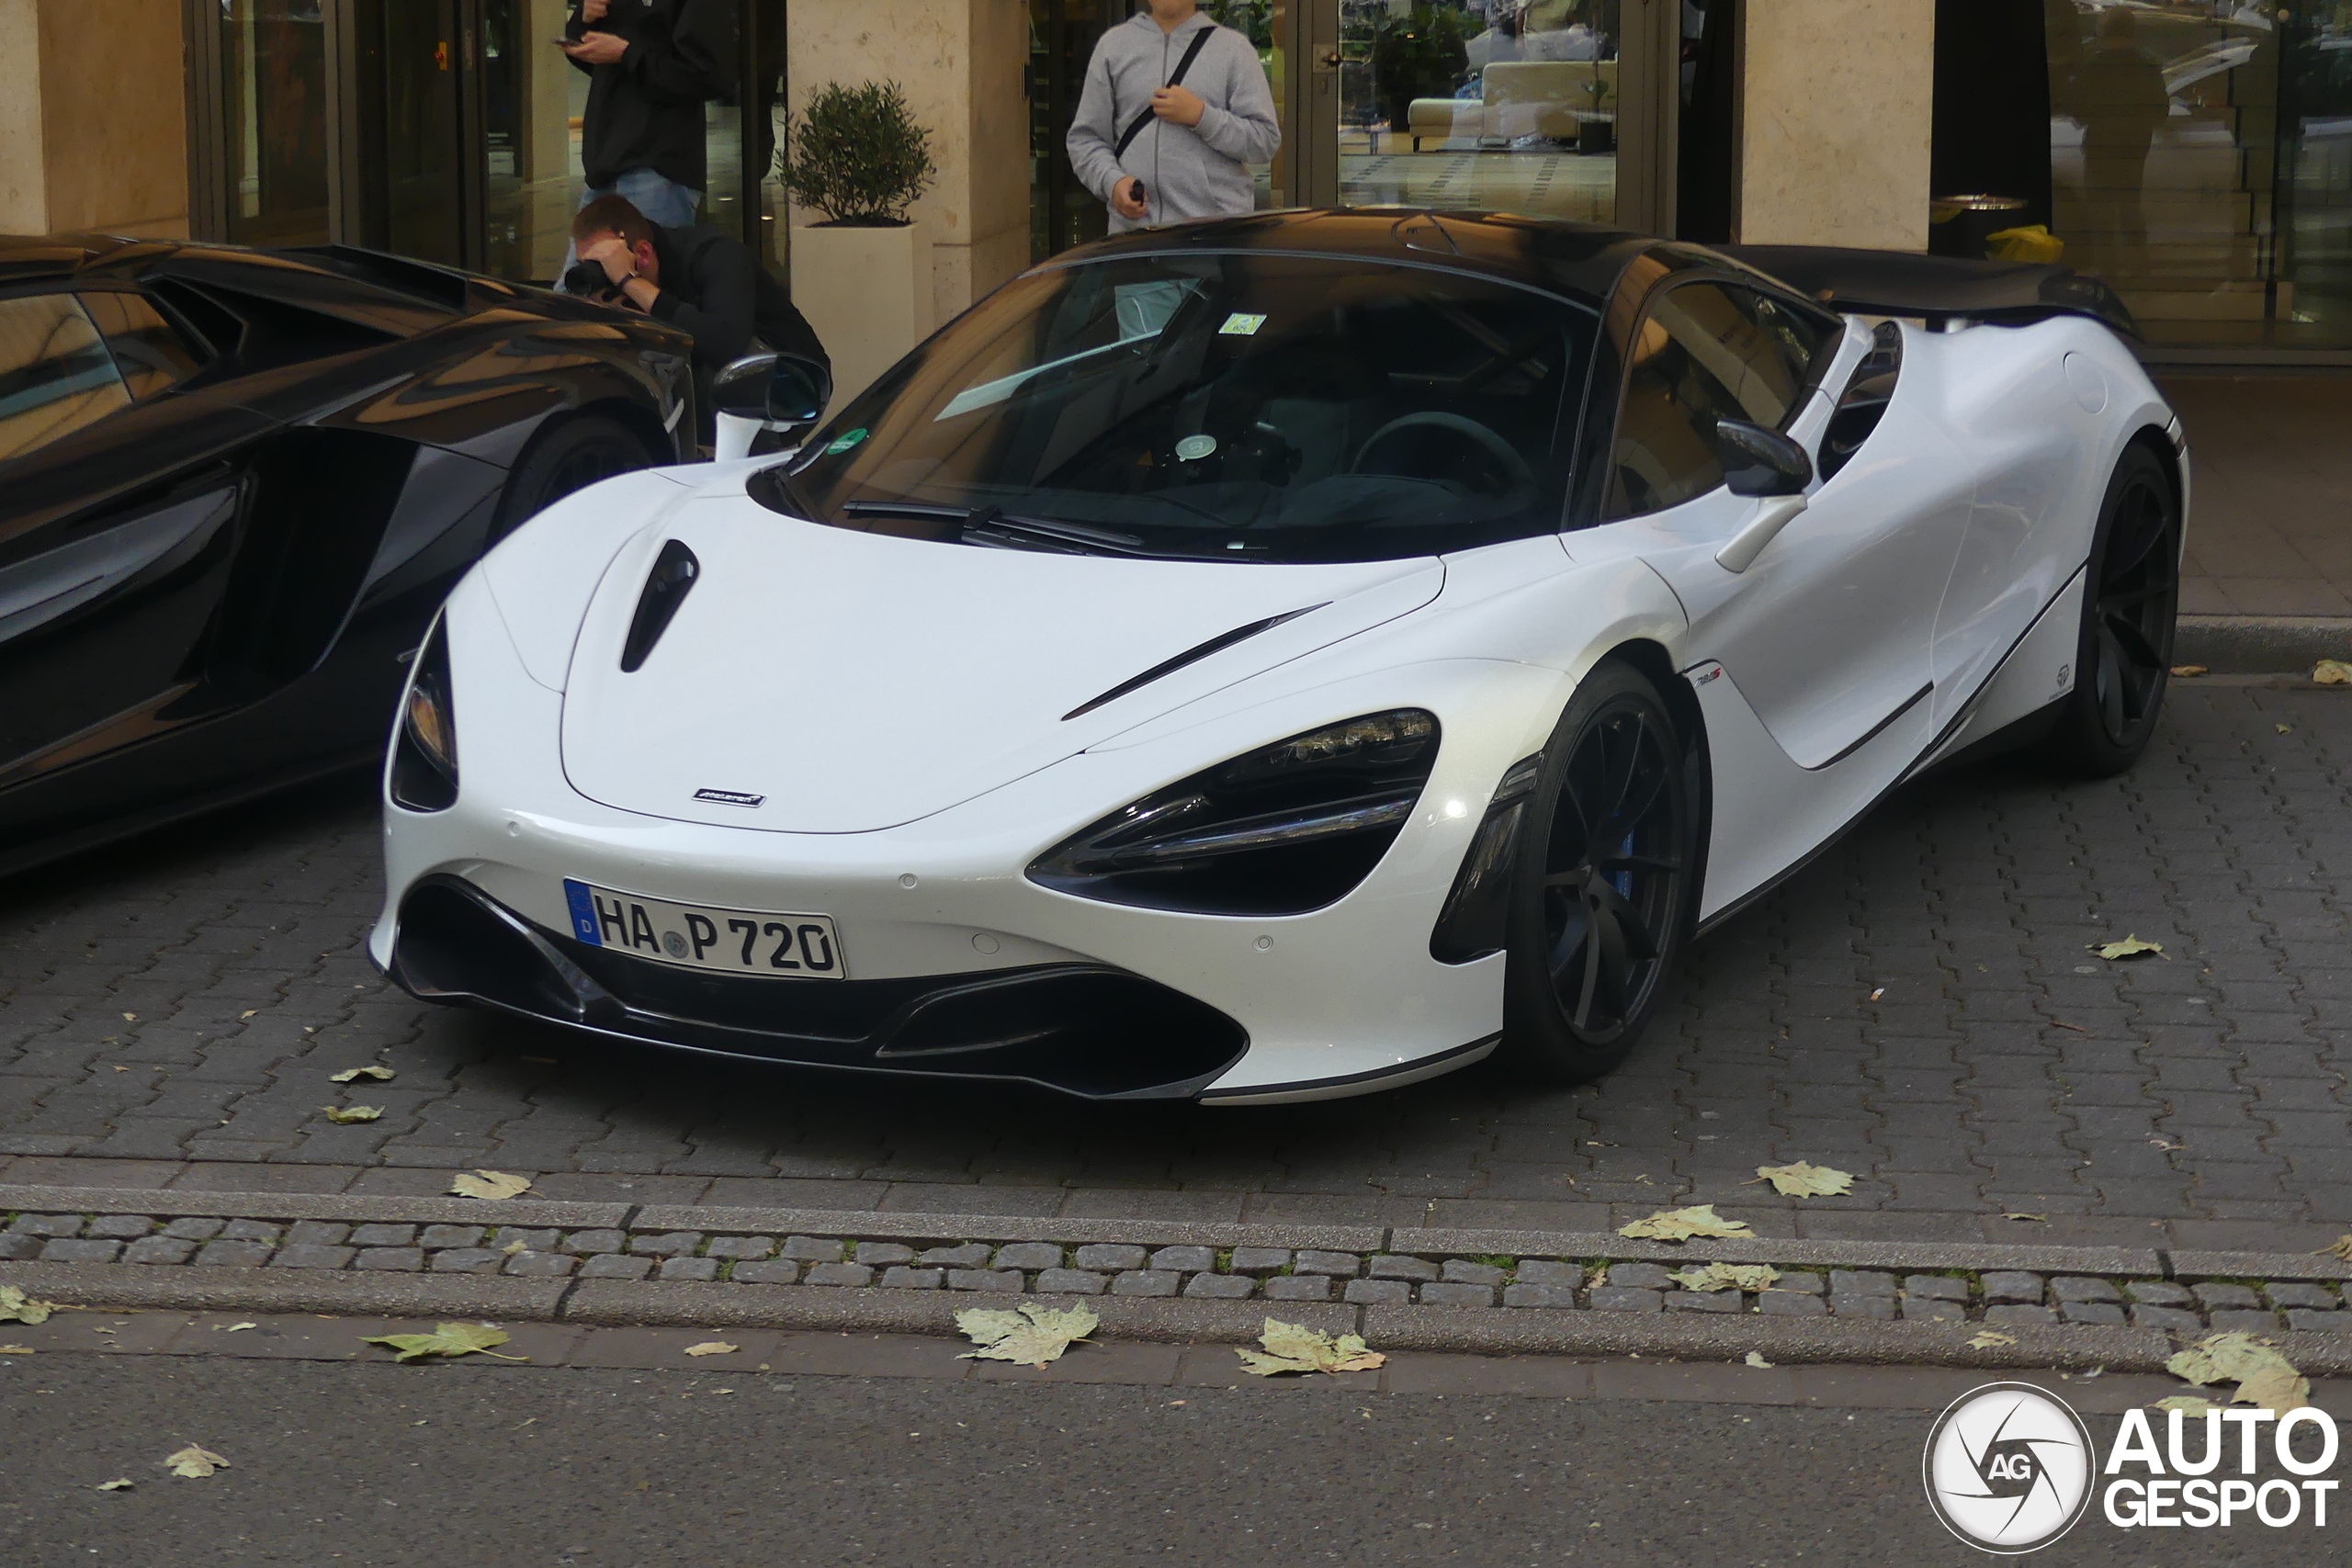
(1241, 325)
(843, 443)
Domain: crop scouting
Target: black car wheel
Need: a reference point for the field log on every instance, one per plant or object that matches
(572, 456)
(1602, 898)
(2131, 588)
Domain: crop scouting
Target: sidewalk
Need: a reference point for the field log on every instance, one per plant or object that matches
(2269, 580)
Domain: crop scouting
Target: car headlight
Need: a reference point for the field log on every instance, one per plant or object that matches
(425, 746)
(1279, 832)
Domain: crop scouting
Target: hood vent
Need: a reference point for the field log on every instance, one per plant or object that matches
(1190, 656)
(666, 587)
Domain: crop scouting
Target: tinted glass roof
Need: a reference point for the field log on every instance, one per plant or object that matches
(1578, 260)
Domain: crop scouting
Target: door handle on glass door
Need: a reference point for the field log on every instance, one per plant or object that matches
(1772, 514)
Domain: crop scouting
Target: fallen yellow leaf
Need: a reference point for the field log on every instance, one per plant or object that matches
(350, 1075)
(2264, 1376)
(2340, 1248)
(1032, 1336)
(121, 1483)
(488, 1184)
(1756, 1358)
(1295, 1347)
(233, 1327)
(340, 1113)
(2186, 1404)
(2284, 728)
(2130, 947)
(16, 1306)
(192, 1462)
(2331, 672)
(1681, 1224)
(712, 1347)
(1726, 1276)
(450, 1339)
(1802, 1180)
(16, 1350)
(2042, 1218)
(2190, 669)
(1988, 1338)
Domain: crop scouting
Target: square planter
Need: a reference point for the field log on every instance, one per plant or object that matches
(867, 294)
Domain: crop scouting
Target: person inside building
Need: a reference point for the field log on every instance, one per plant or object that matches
(650, 64)
(707, 283)
(1156, 150)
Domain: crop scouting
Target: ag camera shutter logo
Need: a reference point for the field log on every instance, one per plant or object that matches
(2009, 1468)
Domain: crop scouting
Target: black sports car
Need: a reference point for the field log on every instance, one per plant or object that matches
(234, 487)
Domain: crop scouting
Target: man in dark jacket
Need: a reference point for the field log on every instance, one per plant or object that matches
(650, 64)
(700, 281)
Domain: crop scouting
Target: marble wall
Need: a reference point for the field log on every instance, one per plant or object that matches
(93, 118)
(961, 64)
(1837, 108)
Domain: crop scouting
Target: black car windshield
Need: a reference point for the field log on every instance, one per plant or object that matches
(1235, 406)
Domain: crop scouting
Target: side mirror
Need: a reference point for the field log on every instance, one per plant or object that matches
(767, 391)
(1757, 461)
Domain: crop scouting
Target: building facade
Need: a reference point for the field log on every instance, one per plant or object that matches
(2195, 153)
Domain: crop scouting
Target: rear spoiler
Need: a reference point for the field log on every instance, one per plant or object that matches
(1937, 289)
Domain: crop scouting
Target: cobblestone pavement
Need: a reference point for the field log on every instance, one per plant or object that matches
(2188, 1305)
(1918, 1008)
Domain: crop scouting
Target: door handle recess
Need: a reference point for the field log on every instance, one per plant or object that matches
(1771, 516)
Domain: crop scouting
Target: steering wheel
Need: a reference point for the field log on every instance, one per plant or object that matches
(1521, 478)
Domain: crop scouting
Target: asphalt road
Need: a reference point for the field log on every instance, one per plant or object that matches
(441, 1467)
(1917, 1007)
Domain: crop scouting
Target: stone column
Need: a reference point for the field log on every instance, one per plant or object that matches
(1837, 107)
(93, 118)
(961, 64)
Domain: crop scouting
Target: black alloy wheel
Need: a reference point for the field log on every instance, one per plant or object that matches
(1601, 906)
(572, 456)
(2131, 591)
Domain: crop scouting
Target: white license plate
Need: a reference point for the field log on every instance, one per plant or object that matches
(732, 942)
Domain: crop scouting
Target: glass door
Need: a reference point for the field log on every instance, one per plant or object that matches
(1546, 108)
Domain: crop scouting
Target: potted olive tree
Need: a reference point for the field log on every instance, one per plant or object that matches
(854, 162)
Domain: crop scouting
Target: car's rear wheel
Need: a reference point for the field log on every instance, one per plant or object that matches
(572, 456)
(2131, 590)
(1601, 899)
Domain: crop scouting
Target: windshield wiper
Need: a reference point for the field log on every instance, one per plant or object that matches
(992, 522)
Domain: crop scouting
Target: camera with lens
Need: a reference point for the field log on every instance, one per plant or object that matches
(587, 279)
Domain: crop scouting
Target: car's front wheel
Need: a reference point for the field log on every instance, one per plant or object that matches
(572, 456)
(2123, 653)
(1601, 895)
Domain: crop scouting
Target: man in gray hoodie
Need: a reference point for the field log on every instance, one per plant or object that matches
(1192, 157)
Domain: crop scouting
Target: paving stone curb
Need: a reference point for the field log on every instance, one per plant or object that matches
(2257, 643)
(356, 1208)
(999, 1227)
(257, 1289)
(1764, 1249)
(622, 1303)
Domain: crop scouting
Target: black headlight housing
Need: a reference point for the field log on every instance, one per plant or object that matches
(1282, 830)
(425, 744)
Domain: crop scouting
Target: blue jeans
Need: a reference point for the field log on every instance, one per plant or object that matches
(665, 203)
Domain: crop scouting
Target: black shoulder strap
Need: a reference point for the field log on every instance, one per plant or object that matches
(1135, 126)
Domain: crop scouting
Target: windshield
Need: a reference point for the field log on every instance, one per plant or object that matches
(1242, 407)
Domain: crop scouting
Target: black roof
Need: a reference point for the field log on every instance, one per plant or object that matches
(1579, 260)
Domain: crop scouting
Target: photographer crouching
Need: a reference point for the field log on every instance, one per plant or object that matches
(703, 282)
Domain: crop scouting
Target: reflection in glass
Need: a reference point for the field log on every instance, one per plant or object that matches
(274, 62)
(2201, 164)
(1495, 105)
(532, 100)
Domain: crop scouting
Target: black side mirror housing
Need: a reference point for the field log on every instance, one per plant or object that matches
(1757, 461)
(774, 388)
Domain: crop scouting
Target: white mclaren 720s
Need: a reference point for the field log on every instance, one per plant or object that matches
(1282, 658)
